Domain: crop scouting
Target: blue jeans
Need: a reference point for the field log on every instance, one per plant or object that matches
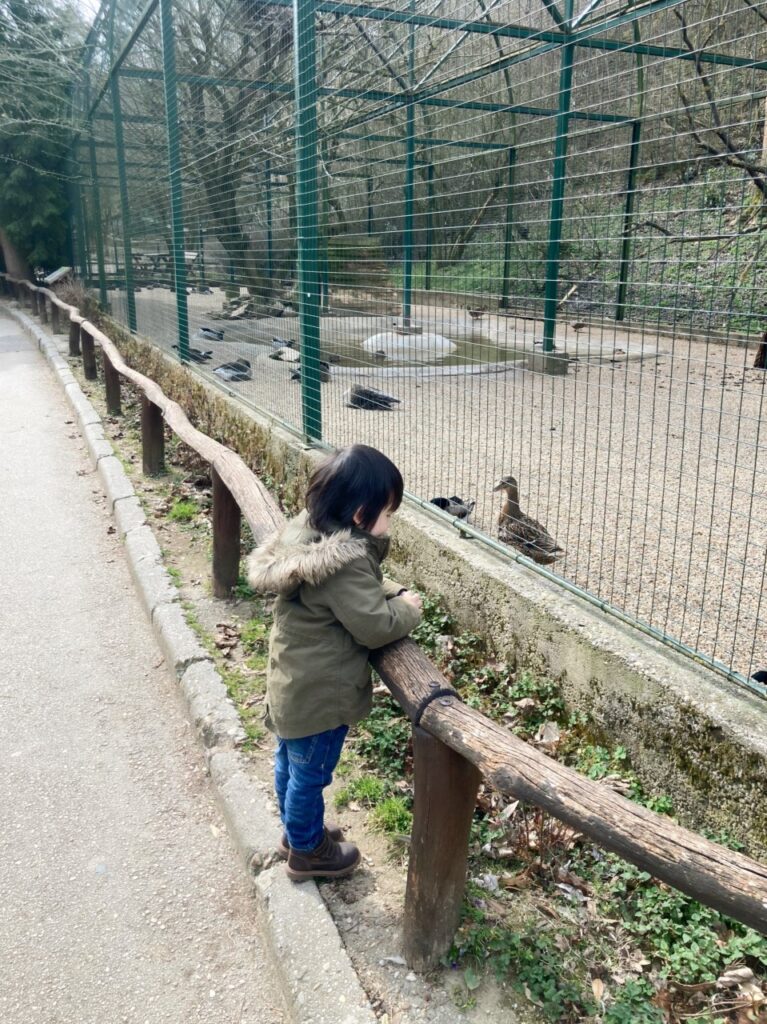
(302, 769)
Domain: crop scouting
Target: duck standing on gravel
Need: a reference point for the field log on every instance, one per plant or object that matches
(521, 531)
(454, 506)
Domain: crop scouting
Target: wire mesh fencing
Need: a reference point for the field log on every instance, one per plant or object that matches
(518, 246)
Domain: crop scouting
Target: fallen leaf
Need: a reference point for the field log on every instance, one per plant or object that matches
(525, 704)
(508, 810)
(471, 979)
(521, 880)
(548, 735)
(598, 988)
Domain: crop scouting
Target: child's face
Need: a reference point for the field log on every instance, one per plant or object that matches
(381, 526)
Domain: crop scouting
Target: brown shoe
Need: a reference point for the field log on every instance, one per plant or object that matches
(331, 829)
(329, 860)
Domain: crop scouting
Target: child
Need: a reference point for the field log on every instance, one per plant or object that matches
(333, 607)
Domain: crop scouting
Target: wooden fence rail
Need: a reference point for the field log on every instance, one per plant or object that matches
(454, 746)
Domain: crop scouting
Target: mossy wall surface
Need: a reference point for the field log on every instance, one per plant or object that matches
(690, 734)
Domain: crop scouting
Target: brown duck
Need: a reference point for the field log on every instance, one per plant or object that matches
(523, 532)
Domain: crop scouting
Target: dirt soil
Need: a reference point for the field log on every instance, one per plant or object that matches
(367, 907)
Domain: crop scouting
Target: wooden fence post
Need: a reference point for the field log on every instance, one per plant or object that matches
(55, 318)
(112, 384)
(42, 307)
(33, 299)
(227, 518)
(74, 338)
(152, 438)
(90, 370)
(446, 786)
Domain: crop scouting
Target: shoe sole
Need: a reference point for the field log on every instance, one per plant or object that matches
(304, 876)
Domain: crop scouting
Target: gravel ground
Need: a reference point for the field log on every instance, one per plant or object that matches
(645, 461)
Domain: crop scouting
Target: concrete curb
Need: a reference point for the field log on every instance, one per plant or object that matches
(318, 981)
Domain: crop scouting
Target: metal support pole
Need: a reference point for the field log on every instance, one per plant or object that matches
(628, 217)
(95, 193)
(76, 198)
(558, 192)
(306, 213)
(429, 247)
(122, 176)
(201, 250)
(269, 223)
(323, 241)
(508, 237)
(174, 166)
(407, 234)
(83, 247)
(114, 246)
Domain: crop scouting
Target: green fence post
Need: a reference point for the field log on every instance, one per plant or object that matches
(80, 258)
(96, 203)
(407, 234)
(201, 250)
(174, 166)
(306, 213)
(429, 247)
(122, 177)
(98, 226)
(323, 240)
(269, 224)
(628, 217)
(558, 191)
(508, 236)
(84, 245)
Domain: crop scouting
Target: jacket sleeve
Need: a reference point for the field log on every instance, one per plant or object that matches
(358, 600)
(390, 587)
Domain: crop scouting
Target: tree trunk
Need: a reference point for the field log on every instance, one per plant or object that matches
(760, 361)
(15, 264)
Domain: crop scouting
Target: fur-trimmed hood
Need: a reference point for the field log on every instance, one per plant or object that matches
(300, 554)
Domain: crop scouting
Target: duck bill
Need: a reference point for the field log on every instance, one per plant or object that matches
(500, 486)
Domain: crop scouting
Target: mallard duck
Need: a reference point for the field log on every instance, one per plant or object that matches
(454, 506)
(522, 532)
(359, 397)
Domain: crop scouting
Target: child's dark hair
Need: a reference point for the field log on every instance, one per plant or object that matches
(355, 478)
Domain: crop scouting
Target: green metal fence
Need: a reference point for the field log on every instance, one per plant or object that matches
(538, 228)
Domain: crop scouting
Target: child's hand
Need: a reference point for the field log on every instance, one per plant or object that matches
(413, 599)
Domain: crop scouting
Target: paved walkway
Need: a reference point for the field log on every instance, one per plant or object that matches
(121, 899)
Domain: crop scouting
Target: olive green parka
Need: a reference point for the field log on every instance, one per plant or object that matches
(333, 606)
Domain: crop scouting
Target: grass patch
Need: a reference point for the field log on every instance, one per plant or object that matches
(183, 511)
(393, 816)
(367, 790)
